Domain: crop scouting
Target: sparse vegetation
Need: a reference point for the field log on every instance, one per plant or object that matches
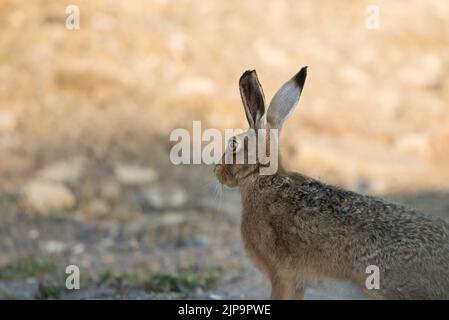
(30, 266)
(7, 294)
(50, 290)
(48, 274)
(119, 279)
(182, 281)
(50, 279)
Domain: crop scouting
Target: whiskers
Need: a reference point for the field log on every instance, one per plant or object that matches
(214, 189)
(210, 184)
(219, 195)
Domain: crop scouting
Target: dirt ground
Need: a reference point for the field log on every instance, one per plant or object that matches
(85, 118)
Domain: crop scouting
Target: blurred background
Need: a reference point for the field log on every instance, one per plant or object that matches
(85, 117)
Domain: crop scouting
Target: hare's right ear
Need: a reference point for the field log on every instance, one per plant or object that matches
(253, 99)
(285, 100)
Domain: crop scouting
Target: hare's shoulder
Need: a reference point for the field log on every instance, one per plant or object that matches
(307, 202)
(306, 194)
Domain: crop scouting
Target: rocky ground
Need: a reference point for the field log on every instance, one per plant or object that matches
(137, 237)
(85, 116)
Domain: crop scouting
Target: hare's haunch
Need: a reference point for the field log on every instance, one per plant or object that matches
(297, 229)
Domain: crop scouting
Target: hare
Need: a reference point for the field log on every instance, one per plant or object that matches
(297, 230)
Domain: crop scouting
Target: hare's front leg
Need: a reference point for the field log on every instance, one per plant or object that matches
(281, 291)
(299, 292)
(281, 288)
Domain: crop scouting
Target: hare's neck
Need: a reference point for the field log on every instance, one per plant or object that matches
(247, 181)
(256, 184)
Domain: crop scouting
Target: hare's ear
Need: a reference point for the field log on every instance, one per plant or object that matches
(285, 100)
(253, 99)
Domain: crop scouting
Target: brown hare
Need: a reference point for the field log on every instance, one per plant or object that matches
(297, 229)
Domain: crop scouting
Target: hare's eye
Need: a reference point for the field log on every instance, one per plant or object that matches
(233, 145)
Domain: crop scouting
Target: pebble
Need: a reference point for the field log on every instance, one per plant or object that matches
(45, 197)
(159, 198)
(134, 175)
(68, 171)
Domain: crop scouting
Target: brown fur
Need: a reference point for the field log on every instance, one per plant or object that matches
(297, 229)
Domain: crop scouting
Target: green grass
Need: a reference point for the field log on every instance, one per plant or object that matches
(7, 295)
(50, 290)
(119, 279)
(50, 275)
(26, 267)
(181, 281)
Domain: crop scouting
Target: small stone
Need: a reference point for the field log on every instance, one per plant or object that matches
(97, 208)
(195, 242)
(214, 296)
(45, 197)
(160, 198)
(8, 121)
(111, 191)
(78, 249)
(177, 198)
(425, 71)
(134, 175)
(171, 219)
(415, 144)
(177, 42)
(54, 247)
(199, 291)
(103, 22)
(353, 75)
(33, 234)
(63, 171)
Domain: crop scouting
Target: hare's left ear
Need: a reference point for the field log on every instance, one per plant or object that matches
(285, 100)
(253, 99)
